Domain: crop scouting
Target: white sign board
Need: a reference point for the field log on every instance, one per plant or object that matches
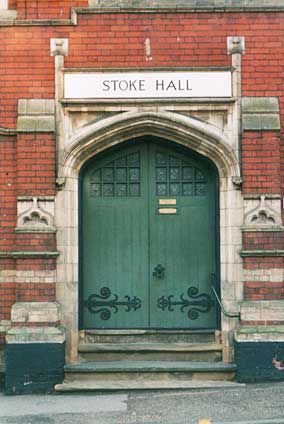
(147, 85)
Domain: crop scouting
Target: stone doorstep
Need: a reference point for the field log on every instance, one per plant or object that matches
(114, 385)
(89, 337)
(146, 375)
(148, 366)
(150, 351)
(149, 347)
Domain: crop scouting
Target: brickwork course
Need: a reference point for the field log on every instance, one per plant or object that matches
(111, 34)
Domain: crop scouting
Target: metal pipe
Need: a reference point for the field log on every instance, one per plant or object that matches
(227, 314)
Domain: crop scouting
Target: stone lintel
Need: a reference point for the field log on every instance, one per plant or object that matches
(29, 312)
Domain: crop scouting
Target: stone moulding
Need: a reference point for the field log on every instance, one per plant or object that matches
(262, 253)
(8, 131)
(8, 17)
(204, 138)
(16, 254)
(196, 5)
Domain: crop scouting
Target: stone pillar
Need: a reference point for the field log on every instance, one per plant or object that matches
(35, 343)
(34, 349)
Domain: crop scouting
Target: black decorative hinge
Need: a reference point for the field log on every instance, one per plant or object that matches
(103, 305)
(197, 303)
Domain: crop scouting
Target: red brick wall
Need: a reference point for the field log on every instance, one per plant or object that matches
(253, 262)
(7, 298)
(36, 164)
(47, 9)
(261, 290)
(37, 292)
(8, 192)
(263, 240)
(261, 162)
(36, 264)
(12, 4)
(36, 242)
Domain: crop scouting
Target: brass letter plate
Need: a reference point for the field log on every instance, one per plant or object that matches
(167, 211)
(167, 201)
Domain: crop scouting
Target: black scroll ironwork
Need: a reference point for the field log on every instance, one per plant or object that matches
(197, 303)
(102, 303)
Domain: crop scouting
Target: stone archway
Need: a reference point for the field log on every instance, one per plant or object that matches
(197, 135)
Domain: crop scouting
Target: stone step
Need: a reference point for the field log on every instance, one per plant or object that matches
(150, 351)
(154, 370)
(128, 375)
(116, 385)
(149, 336)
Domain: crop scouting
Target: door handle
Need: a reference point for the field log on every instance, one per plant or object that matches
(159, 271)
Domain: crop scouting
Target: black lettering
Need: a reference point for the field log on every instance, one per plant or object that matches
(188, 85)
(132, 85)
(123, 85)
(142, 85)
(180, 85)
(171, 85)
(114, 83)
(106, 85)
(160, 84)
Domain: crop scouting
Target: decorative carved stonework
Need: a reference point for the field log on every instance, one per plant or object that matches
(264, 215)
(237, 182)
(35, 214)
(60, 183)
(235, 45)
(59, 46)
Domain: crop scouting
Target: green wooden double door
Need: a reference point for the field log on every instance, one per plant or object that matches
(148, 239)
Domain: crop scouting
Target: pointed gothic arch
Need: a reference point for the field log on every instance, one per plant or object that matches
(192, 133)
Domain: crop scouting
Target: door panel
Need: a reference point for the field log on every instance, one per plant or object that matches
(115, 241)
(148, 239)
(183, 242)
